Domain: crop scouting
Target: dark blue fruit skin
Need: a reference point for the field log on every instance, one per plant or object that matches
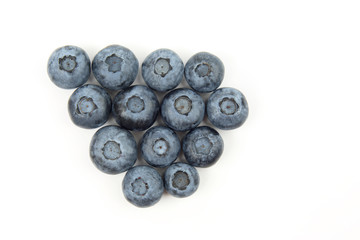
(184, 118)
(145, 108)
(204, 72)
(115, 67)
(160, 146)
(227, 108)
(202, 146)
(142, 186)
(162, 70)
(69, 67)
(113, 150)
(89, 106)
(181, 180)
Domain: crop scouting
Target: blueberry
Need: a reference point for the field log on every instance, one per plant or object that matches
(227, 108)
(115, 67)
(181, 180)
(69, 67)
(204, 72)
(89, 106)
(113, 150)
(182, 109)
(142, 186)
(135, 108)
(202, 146)
(162, 70)
(160, 146)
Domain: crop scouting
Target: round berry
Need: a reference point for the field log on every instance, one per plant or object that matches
(202, 146)
(136, 108)
(89, 106)
(113, 150)
(204, 72)
(69, 67)
(227, 108)
(182, 109)
(162, 70)
(142, 186)
(181, 180)
(115, 67)
(160, 146)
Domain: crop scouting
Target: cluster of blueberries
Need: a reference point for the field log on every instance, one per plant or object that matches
(113, 149)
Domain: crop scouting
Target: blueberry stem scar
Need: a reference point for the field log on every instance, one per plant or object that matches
(68, 63)
(114, 62)
(228, 106)
(139, 186)
(183, 105)
(203, 69)
(135, 104)
(86, 106)
(162, 67)
(161, 147)
(111, 150)
(181, 180)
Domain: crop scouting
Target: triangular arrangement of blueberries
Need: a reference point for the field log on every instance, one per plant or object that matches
(113, 148)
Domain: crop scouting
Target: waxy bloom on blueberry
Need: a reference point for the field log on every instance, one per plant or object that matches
(69, 67)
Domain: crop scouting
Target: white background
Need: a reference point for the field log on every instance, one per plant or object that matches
(292, 171)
